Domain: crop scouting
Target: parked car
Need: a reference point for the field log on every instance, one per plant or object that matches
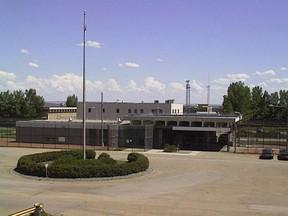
(283, 154)
(267, 153)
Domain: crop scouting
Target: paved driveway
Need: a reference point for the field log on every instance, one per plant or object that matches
(195, 183)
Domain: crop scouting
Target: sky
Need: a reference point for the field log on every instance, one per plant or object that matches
(143, 50)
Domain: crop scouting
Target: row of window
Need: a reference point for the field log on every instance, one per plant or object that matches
(62, 110)
(135, 111)
(175, 111)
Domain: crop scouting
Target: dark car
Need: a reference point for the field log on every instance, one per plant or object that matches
(267, 153)
(283, 154)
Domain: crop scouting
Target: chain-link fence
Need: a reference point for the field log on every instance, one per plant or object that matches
(253, 136)
(63, 135)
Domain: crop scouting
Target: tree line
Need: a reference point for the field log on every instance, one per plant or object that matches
(21, 104)
(255, 104)
(25, 104)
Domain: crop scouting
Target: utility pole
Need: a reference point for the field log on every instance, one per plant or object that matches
(84, 102)
(102, 132)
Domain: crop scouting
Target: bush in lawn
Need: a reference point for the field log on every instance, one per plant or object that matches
(65, 164)
(106, 159)
(34, 164)
(170, 148)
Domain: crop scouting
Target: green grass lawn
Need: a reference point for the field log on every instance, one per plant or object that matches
(6, 132)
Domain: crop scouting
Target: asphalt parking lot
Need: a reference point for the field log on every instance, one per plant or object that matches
(188, 183)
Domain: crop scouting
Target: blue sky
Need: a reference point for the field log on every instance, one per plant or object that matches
(143, 50)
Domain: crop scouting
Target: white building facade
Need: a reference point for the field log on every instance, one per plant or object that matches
(118, 110)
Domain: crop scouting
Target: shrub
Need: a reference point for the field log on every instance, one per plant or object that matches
(33, 164)
(67, 164)
(132, 157)
(170, 148)
(106, 159)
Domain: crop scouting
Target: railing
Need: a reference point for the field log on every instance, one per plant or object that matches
(38, 207)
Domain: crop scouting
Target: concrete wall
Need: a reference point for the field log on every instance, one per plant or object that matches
(113, 111)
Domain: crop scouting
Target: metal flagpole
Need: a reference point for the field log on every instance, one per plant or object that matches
(102, 135)
(84, 102)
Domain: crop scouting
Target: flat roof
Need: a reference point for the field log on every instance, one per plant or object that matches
(189, 117)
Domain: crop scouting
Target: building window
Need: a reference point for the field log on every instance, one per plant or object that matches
(141, 111)
(129, 110)
(103, 110)
(89, 110)
(117, 110)
(135, 110)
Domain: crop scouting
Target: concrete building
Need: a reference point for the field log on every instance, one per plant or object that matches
(141, 125)
(116, 110)
(199, 131)
(59, 113)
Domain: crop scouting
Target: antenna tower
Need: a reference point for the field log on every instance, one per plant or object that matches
(187, 94)
(208, 95)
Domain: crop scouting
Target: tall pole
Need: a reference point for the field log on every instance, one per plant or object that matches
(84, 101)
(286, 122)
(102, 135)
(187, 96)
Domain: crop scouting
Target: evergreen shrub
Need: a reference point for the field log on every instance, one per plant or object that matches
(69, 164)
(170, 148)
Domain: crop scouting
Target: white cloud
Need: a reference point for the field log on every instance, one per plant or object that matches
(25, 51)
(7, 75)
(67, 82)
(221, 81)
(112, 85)
(196, 86)
(132, 86)
(129, 64)
(159, 60)
(283, 68)
(92, 86)
(279, 81)
(262, 84)
(276, 80)
(152, 84)
(266, 73)
(177, 86)
(37, 83)
(237, 77)
(231, 78)
(132, 64)
(33, 65)
(92, 44)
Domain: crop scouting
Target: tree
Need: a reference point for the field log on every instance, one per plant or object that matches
(34, 104)
(283, 103)
(19, 104)
(265, 104)
(71, 101)
(227, 106)
(237, 99)
(256, 99)
(5, 104)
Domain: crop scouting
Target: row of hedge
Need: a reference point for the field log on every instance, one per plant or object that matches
(69, 164)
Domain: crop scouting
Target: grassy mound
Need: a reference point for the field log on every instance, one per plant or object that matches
(69, 164)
